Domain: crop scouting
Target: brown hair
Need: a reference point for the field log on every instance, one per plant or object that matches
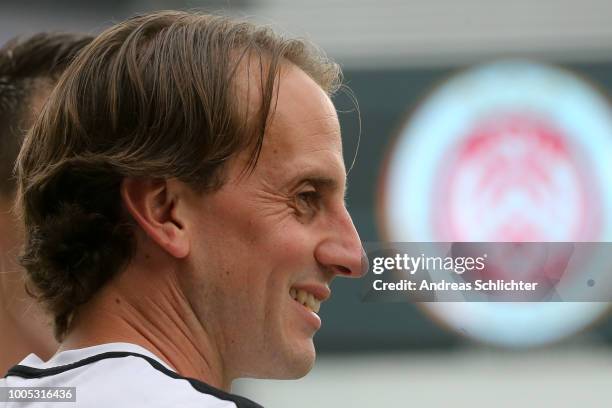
(153, 96)
(28, 65)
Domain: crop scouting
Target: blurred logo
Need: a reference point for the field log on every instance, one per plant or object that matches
(511, 151)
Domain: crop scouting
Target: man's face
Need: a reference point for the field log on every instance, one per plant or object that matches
(279, 234)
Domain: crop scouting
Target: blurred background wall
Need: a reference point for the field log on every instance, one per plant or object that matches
(393, 54)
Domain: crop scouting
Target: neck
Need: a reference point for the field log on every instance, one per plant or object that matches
(156, 316)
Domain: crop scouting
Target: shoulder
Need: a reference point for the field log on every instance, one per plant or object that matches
(122, 379)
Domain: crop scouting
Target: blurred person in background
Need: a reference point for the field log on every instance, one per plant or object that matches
(183, 199)
(29, 69)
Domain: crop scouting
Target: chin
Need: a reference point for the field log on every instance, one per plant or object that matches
(301, 369)
(302, 362)
(292, 365)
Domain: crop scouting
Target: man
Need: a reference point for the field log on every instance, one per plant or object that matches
(29, 68)
(183, 196)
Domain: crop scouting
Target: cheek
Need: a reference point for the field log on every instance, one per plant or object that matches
(251, 260)
(268, 269)
(288, 260)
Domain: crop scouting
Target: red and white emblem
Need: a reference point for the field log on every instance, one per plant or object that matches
(517, 177)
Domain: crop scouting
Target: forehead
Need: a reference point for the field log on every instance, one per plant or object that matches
(303, 131)
(302, 135)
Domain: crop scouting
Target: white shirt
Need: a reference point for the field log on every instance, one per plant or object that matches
(116, 375)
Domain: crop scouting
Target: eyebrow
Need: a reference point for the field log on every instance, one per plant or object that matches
(320, 178)
(324, 182)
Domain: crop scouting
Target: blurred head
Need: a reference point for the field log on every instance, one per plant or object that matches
(29, 68)
(212, 144)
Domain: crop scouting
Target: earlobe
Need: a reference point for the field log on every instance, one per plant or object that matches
(152, 203)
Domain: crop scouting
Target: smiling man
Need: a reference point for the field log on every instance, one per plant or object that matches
(183, 196)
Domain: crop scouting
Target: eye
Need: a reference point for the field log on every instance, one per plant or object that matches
(307, 201)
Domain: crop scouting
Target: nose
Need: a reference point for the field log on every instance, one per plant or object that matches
(341, 251)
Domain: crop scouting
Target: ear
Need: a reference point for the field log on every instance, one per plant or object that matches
(152, 203)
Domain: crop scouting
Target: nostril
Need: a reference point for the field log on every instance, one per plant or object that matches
(343, 270)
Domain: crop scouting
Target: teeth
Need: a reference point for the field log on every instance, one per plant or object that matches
(306, 299)
(302, 296)
(316, 306)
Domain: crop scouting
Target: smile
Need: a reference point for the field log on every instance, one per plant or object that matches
(307, 299)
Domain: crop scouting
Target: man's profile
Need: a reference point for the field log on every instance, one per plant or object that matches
(29, 68)
(183, 199)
